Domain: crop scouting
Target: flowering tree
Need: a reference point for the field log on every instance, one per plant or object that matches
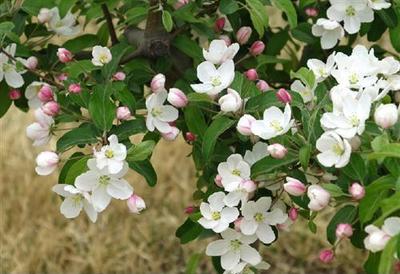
(284, 121)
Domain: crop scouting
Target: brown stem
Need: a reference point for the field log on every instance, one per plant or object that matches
(111, 30)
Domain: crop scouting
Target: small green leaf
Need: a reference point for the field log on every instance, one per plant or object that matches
(288, 8)
(81, 42)
(345, 215)
(76, 169)
(101, 108)
(195, 120)
(167, 20)
(83, 135)
(258, 16)
(304, 156)
(145, 168)
(305, 75)
(269, 164)
(117, 52)
(356, 168)
(141, 151)
(189, 231)
(129, 128)
(228, 6)
(193, 263)
(303, 33)
(5, 101)
(72, 159)
(388, 150)
(261, 102)
(388, 256)
(334, 190)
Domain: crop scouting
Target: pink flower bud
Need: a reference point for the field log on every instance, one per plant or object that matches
(171, 136)
(277, 151)
(158, 83)
(44, 15)
(312, 12)
(319, 197)
(177, 98)
(357, 191)
(251, 74)
(293, 214)
(248, 185)
(75, 88)
(189, 209)
(219, 24)
(294, 187)
(284, 96)
(244, 124)
(32, 62)
(46, 162)
(123, 113)
(257, 48)
(45, 94)
(218, 180)
(190, 137)
(14, 94)
(62, 77)
(227, 40)
(119, 76)
(180, 3)
(51, 108)
(326, 256)
(135, 204)
(262, 85)
(344, 231)
(237, 223)
(64, 55)
(243, 35)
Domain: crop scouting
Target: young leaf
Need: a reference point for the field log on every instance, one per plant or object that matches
(140, 151)
(388, 256)
(345, 215)
(76, 169)
(258, 16)
(145, 168)
(269, 164)
(189, 231)
(356, 168)
(167, 20)
(83, 135)
(101, 109)
(288, 8)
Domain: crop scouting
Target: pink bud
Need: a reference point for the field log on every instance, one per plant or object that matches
(227, 40)
(284, 96)
(171, 136)
(293, 214)
(357, 191)
(326, 256)
(294, 187)
(312, 12)
(257, 48)
(158, 83)
(32, 62)
(14, 94)
(190, 137)
(251, 74)
(119, 76)
(62, 77)
(218, 180)
(136, 204)
(262, 85)
(123, 113)
(248, 185)
(180, 3)
(277, 151)
(319, 197)
(75, 88)
(237, 223)
(219, 24)
(243, 35)
(45, 94)
(64, 55)
(177, 98)
(51, 108)
(46, 162)
(189, 209)
(244, 124)
(344, 231)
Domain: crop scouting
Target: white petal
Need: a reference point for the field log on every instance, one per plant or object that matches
(119, 189)
(90, 211)
(265, 233)
(229, 214)
(100, 198)
(217, 248)
(230, 260)
(248, 227)
(69, 208)
(250, 255)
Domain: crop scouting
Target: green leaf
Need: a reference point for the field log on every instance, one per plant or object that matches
(258, 15)
(371, 265)
(141, 151)
(217, 127)
(5, 101)
(345, 215)
(288, 8)
(129, 128)
(388, 256)
(305, 75)
(188, 47)
(228, 6)
(76, 169)
(64, 6)
(388, 150)
(261, 102)
(304, 156)
(270, 59)
(126, 98)
(189, 231)
(334, 190)
(395, 37)
(82, 42)
(101, 109)
(72, 159)
(5, 27)
(388, 206)
(76, 68)
(167, 20)
(269, 164)
(356, 168)
(145, 168)
(199, 97)
(388, 16)
(303, 33)
(136, 15)
(192, 265)
(195, 121)
(78, 136)
(117, 52)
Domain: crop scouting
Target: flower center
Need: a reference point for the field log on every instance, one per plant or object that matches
(337, 149)
(156, 112)
(216, 215)
(276, 125)
(354, 120)
(77, 199)
(235, 245)
(350, 11)
(103, 58)
(104, 180)
(322, 72)
(259, 217)
(109, 153)
(215, 81)
(236, 172)
(7, 67)
(353, 79)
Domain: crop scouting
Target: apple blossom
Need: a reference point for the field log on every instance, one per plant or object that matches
(386, 115)
(306, 92)
(104, 185)
(158, 114)
(258, 152)
(243, 35)
(233, 172)
(293, 213)
(31, 62)
(75, 200)
(234, 247)
(45, 94)
(378, 238)
(312, 12)
(231, 102)
(171, 135)
(51, 108)
(242, 193)
(251, 74)
(294, 187)
(8, 68)
(335, 151)
(218, 180)
(320, 69)
(189, 210)
(215, 214)
(136, 204)
(62, 77)
(14, 94)
(258, 220)
(190, 137)
(226, 39)
(326, 256)
(123, 113)
(277, 151)
(101, 55)
(319, 197)
(257, 48)
(158, 83)
(262, 85)
(75, 88)
(283, 96)
(46, 163)
(111, 156)
(378, 4)
(218, 52)
(40, 131)
(44, 15)
(343, 231)
(244, 124)
(180, 3)
(214, 80)
(177, 98)
(65, 26)
(119, 76)
(330, 32)
(357, 191)
(32, 92)
(64, 55)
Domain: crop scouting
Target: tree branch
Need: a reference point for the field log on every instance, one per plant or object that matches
(111, 30)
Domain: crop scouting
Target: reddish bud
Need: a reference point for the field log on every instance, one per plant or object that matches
(257, 48)
(14, 94)
(251, 74)
(284, 96)
(219, 24)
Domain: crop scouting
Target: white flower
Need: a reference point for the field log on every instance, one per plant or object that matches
(234, 247)
(31, 93)
(111, 156)
(219, 52)
(320, 69)
(319, 197)
(233, 172)
(258, 220)
(330, 32)
(74, 201)
(259, 151)
(65, 26)
(216, 215)
(104, 185)
(339, 95)
(40, 131)
(214, 80)
(8, 68)
(158, 114)
(378, 238)
(352, 119)
(378, 4)
(231, 102)
(386, 115)
(241, 194)
(335, 151)
(101, 55)
(275, 123)
(306, 92)
(46, 162)
(352, 12)
(245, 268)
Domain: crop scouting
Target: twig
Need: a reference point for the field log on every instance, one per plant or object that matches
(111, 29)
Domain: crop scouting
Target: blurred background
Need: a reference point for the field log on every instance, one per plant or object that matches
(36, 238)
